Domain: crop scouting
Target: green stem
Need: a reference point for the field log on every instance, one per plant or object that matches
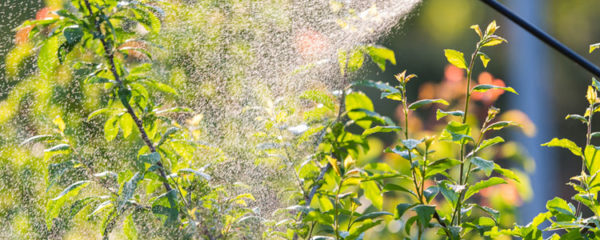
(457, 213)
(336, 223)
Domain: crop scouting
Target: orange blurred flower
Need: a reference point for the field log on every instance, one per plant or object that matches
(492, 95)
(22, 36)
(46, 13)
(311, 44)
(508, 192)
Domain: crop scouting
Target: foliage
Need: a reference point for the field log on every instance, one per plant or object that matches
(341, 195)
(129, 167)
(567, 220)
(97, 38)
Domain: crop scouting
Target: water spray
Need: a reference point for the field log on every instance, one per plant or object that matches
(544, 37)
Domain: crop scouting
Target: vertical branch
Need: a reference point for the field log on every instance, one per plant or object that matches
(108, 54)
(461, 179)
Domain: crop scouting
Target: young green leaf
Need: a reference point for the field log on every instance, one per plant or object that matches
(424, 213)
(128, 189)
(457, 132)
(489, 142)
(379, 55)
(129, 228)
(592, 159)
(485, 165)
(484, 59)
(486, 87)
(421, 103)
(381, 129)
(576, 116)
(111, 128)
(564, 143)
(356, 60)
(441, 113)
(506, 173)
(59, 123)
(482, 185)
(373, 193)
(372, 215)
(456, 58)
(594, 47)
(75, 186)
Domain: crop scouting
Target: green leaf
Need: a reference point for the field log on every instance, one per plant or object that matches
(494, 40)
(372, 215)
(560, 207)
(485, 165)
(506, 172)
(150, 158)
(594, 47)
(358, 100)
(196, 172)
(440, 166)
(381, 129)
(379, 55)
(595, 134)
(486, 87)
(128, 189)
(324, 203)
(111, 128)
(441, 113)
(319, 97)
(58, 148)
(98, 112)
(95, 79)
(127, 124)
(59, 123)
(564, 143)
(592, 159)
(129, 228)
(424, 214)
(357, 233)
(456, 58)
(450, 191)
(393, 187)
(431, 192)
(373, 193)
(75, 186)
(484, 59)
(356, 60)
(489, 142)
(499, 125)
(421, 103)
(38, 138)
(457, 132)
(401, 209)
(166, 208)
(576, 116)
(73, 34)
(384, 87)
(47, 57)
(411, 144)
(482, 185)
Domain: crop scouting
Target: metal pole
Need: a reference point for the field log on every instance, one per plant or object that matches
(544, 37)
(528, 73)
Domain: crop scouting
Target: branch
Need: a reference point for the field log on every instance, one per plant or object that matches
(138, 122)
